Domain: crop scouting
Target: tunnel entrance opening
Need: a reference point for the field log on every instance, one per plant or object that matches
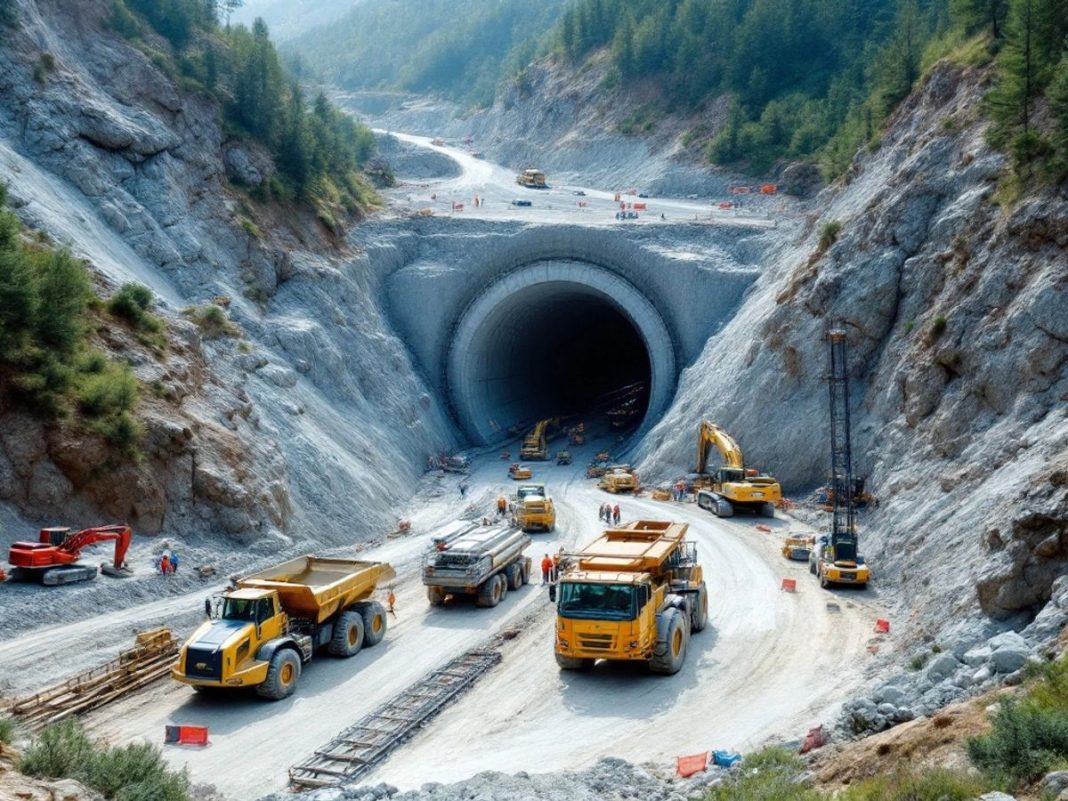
(543, 345)
(558, 350)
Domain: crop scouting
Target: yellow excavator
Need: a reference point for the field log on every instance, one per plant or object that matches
(535, 444)
(732, 486)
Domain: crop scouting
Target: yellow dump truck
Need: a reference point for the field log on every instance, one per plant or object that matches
(532, 178)
(261, 633)
(534, 510)
(619, 478)
(634, 594)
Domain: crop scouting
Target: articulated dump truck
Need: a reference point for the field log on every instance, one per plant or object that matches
(634, 594)
(471, 559)
(261, 632)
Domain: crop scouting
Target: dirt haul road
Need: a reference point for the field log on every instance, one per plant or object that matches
(768, 664)
(496, 188)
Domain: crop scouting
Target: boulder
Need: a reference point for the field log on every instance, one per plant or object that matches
(1009, 659)
(1053, 784)
(978, 656)
(941, 667)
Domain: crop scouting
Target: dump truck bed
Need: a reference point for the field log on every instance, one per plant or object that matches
(314, 588)
(639, 547)
(468, 556)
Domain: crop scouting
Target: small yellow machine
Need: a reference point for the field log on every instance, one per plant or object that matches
(634, 594)
(535, 179)
(619, 478)
(534, 509)
(732, 487)
(261, 633)
(518, 472)
(797, 547)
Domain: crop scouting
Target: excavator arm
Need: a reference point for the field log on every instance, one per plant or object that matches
(119, 534)
(709, 434)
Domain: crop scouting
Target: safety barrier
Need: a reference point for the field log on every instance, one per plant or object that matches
(185, 735)
(789, 585)
(687, 766)
(882, 626)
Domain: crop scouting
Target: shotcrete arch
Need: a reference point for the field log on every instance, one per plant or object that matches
(549, 337)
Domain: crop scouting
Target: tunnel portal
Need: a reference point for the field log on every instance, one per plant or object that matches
(556, 338)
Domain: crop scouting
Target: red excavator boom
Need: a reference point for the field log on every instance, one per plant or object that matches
(53, 557)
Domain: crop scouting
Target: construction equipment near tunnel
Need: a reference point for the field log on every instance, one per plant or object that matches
(263, 631)
(534, 510)
(636, 593)
(619, 478)
(536, 444)
(534, 179)
(837, 559)
(481, 561)
(53, 559)
(518, 472)
(732, 487)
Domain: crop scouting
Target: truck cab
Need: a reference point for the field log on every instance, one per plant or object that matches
(635, 594)
(838, 564)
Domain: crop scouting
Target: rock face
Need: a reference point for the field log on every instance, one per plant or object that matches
(310, 426)
(954, 311)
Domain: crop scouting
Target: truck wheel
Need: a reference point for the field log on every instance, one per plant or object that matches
(374, 622)
(699, 619)
(574, 663)
(823, 580)
(812, 567)
(503, 580)
(436, 596)
(348, 634)
(670, 652)
(526, 570)
(515, 576)
(489, 592)
(282, 675)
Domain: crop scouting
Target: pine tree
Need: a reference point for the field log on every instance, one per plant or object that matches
(1012, 99)
(1058, 104)
(977, 14)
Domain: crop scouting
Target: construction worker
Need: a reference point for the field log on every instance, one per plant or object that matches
(556, 565)
(502, 506)
(463, 488)
(165, 564)
(391, 601)
(546, 569)
(174, 562)
(615, 515)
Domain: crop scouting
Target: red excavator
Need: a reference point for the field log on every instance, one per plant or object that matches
(54, 558)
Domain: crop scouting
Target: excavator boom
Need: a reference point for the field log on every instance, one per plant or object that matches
(709, 434)
(53, 559)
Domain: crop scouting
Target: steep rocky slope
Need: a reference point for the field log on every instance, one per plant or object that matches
(249, 436)
(955, 308)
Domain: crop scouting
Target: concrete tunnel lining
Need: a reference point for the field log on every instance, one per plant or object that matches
(488, 377)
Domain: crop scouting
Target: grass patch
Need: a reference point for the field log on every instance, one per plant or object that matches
(918, 661)
(1029, 737)
(768, 775)
(905, 785)
(938, 326)
(829, 234)
(7, 731)
(132, 303)
(212, 321)
(642, 121)
(130, 773)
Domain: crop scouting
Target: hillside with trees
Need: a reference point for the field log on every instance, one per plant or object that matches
(813, 79)
(460, 49)
(318, 150)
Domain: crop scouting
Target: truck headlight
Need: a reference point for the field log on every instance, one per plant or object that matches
(563, 643)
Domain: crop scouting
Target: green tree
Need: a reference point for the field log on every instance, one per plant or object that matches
(977, 14)
(1058, 104)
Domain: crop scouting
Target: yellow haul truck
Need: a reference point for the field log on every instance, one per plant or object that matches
(534, 510)
(619, 478)
(635, 593)
(260, 633)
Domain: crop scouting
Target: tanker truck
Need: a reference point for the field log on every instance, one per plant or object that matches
(636, 593)
(261, 632)
(478, 560)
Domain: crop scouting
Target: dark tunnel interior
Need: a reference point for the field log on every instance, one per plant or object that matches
(557, 349)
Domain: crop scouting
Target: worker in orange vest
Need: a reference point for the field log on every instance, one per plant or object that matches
(556, 566)
(391, 600)
(546, 569)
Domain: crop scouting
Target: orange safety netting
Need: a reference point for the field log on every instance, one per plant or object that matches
(689, 765)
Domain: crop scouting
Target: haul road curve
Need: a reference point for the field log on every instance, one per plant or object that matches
(769, 663)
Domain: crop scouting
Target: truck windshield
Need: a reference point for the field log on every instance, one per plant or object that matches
(245, 609)
(597, 601)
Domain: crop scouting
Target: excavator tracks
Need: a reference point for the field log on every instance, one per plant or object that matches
(149, 660)
(363, 745)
